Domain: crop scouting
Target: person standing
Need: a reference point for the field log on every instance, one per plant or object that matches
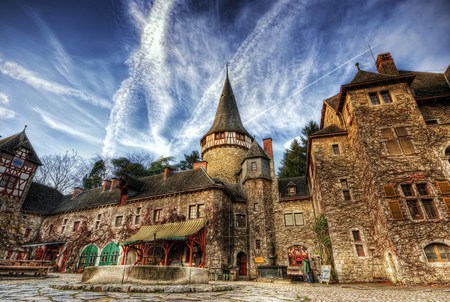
(307, 269)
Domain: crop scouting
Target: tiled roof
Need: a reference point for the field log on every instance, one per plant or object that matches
(227, 115)
(299, 182)
(236, 191)
(12, 143)
(149, 186)
(428, 83)
(41, 199)
(367, 76)
(256, 151)
(332, 101)
(328, 130)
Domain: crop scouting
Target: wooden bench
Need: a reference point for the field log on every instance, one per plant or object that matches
(22, 267)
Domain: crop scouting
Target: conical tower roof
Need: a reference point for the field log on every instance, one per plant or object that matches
(227, 115)
(12, 143)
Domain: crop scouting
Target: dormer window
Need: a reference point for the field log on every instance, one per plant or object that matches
(292, 189)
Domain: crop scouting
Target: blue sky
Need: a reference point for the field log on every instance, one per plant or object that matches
(111, 77)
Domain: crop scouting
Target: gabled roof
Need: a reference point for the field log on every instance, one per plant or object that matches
(332, 101)
(16, 141)
(428, 84)
(87, 199)
(41, 199)
(227, 115)
(256, 151)
(330, 130)
(366, 76)
(299, 182)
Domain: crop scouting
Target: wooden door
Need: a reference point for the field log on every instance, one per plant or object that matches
(242, 263)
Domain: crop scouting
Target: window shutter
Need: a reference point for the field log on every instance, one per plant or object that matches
(401, 131)
(444, 187)
(407, 146)
(387, 133)
(447, 203)
(396, 210)
(389, 191)
(393, 147)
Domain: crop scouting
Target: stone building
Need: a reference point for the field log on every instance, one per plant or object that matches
(379, 170)
(223, 214)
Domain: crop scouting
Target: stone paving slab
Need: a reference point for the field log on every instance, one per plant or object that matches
(30, 289)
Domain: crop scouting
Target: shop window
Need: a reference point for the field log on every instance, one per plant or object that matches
(241, 221)
(437, 252)
(118, 221)
(430, 209)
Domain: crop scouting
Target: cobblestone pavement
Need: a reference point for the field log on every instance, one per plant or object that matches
(32, 289)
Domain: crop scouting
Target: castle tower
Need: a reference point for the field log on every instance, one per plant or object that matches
(225, 145)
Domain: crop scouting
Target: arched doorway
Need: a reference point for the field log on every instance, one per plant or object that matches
(242, 263)
(110, 254)
(88, 257)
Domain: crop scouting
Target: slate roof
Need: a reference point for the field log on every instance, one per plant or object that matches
(328, 130)
(367, 76)
(236, 191)
(13, 142)
(227, 115)
(256, 151)
(41, 199)
(428, 84)
(332, 101)
(150, 186)
(300, 183)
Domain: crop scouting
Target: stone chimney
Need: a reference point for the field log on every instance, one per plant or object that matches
(385, 64)
(106, 185)
(167, 172)
(114, 183)
(76, 191)
(268, 147)
(200, 164)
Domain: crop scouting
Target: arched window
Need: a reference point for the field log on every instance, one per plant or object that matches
(88, 257)
(447, 153)
(110, 254)
(437, 252)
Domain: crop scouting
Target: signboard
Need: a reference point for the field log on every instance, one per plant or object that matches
(325, 273)
(259, 259)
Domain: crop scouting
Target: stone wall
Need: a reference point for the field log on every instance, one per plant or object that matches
(224, 162)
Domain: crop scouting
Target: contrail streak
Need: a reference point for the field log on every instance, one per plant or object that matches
(310, 84)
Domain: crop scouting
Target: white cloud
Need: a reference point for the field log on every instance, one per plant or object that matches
(6, 114)
(20, 73)
(3, 98)
(60, 125)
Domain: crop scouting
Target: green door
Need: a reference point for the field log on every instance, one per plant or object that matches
(88, 257)
(110, 255)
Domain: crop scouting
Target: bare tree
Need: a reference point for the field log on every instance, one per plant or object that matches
(62, 171)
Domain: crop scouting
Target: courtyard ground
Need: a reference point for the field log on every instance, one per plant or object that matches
(38, 289)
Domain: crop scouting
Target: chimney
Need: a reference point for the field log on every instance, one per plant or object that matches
(106, 185)
(268, 147)
(385, 64)
(76, 191)
(114, 183)
(167, 171)
(200, 164)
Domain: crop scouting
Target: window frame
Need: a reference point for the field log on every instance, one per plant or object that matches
(157, 215)
(118, 221)
(435, 247)
(429, 204)
(242, 218)
(336, 149)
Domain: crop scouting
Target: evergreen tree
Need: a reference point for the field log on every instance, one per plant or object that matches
(189, 160)
(123, 166)
(96, 176)
(157, 167)
(293, 163)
